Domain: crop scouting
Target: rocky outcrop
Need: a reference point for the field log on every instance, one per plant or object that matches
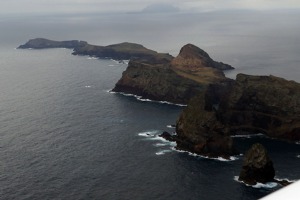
(174, 80)
(251, 104)
(257, 166)
(198, 129)
(41, 43)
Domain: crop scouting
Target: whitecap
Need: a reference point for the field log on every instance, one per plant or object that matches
(160, 144)
(111, 65)
(148, 133)
(162, 152)
(268, 185)
(171, 126)
(87, 86)
(298, 156)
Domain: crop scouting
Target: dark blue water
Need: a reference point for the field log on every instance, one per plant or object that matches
(63, 136)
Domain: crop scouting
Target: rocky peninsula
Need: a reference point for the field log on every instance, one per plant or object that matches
(175, 80)
(121, 51)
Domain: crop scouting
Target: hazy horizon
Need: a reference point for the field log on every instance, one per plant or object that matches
(118, 6)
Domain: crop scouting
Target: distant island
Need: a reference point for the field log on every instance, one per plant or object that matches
(218, 107)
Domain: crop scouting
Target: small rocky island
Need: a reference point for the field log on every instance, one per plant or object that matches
(258, 167)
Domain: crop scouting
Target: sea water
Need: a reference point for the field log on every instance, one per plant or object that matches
(64, 136)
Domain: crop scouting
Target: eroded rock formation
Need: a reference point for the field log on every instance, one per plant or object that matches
(257, 166)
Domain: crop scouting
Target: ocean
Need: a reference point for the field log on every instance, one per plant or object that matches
(63, 135)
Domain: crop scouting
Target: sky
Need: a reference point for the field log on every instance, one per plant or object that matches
(101, 6)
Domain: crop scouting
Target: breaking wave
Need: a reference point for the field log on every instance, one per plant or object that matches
(231, 158)
(140, 98)
(268, 185)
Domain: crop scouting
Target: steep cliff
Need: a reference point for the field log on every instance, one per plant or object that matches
(175, 80)
(264, 104)
(251, 104)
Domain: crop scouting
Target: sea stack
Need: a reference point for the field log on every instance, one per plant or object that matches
(257, 166)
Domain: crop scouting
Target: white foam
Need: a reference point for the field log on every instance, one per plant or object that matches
(111, 65)
(285, 179)
(148, 134)
(298, 156)
(92, 58)
(231, 158)
(87, 86)
(147, 100)
(298, 142)
(160, 144)
(170, 126)
(268, 185)
(162, 152)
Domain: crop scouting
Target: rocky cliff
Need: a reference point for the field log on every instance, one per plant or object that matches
(251, 104)
(175, 80)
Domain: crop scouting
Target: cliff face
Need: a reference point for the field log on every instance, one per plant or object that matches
(41, 43)
(265, 104)
(156, 82)
(251, 104)
(175, 80)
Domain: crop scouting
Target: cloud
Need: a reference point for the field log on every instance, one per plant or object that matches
(65, 6)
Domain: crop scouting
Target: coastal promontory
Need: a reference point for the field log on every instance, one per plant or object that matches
(175, 80)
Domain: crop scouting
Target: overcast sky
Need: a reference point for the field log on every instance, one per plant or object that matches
(67, 6)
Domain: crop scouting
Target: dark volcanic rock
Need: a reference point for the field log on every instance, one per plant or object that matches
(257, 166)
(251, 104)
(168, 136)
(156, 82)
(198, 130)
(41, 43)
(174, 80)
(262, 104)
